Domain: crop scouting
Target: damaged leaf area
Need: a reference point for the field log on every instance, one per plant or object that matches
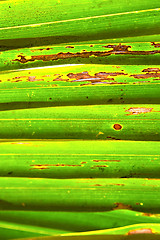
(122, 206)
(96, 159)
(156, 45)
(140, 231)
(75, 75)
(148, 73)
(123, 232)
(117, 53)
(112, 193)
(116, 49)
(97, 78)
(83, 84)
(136, 111)
(83, 122)
(48, 166)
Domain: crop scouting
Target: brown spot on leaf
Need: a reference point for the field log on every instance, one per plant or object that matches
(78, 76)
(97, 78)
(60, 79)
(151, 70)
(22, 59)
(69, 47)
(136, 111)
(19, 143)
(106, 74)
(116, 49)
(117, 126)
(150, 215)
(40, 167)
(158, 179)
(33, 79)
(149, 73)
(140, 231)
(46, 166)
(112, 138)
(156, 45)
(41, 49)
(147, 214)
(122, 206)
(101, 166)
(19, 77)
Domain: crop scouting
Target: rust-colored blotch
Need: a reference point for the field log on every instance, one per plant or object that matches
(117, 126)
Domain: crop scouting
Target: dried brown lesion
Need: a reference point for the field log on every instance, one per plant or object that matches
(99, 166)
(40, 167)
(117, 126)
(112, 138)
(41, 49)
(116, 49)
(150, 215)
(140, 231)
(148, 73)
(119, 47)
(34, 79)
(69, 47)
(156, 45)
(47, 166)
(138, 110)
(99, 77)
(83, 77)
(122, 206)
